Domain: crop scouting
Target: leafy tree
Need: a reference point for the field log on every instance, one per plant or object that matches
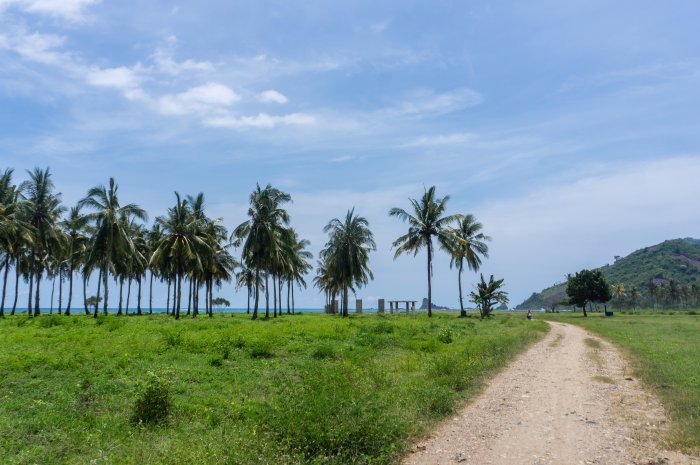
(588, 286)
(260, 234)
(488, 294)
(111, 242)
(467, 244)
(43, 210)
(426, 221)
(346, 253)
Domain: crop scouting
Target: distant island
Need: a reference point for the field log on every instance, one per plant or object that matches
(665, 274)
(424, 305)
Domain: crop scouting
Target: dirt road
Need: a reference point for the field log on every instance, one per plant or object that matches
(570, 399)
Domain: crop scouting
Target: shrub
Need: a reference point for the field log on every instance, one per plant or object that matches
(324, 351)
(216, 361)
(445, 336)
(261, 349)
(153, 402)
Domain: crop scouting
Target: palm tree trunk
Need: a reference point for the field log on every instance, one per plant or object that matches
(257, 293)
(150, 296)
(105, 277)
(97, 298)
(121, 296)
(167, 305)
(462, 312)
(30, 312)
(345, 302)
(194, 286)
(60, 292)
(4, 285)
(280, 283)
(70, 291)
(128, 296)
(17, 273)
(87, 312)
(53, 289)
(267, 295)
(37, 302)
(430, 284)
(293, 307)
(211, 297)
(274, 296)
(289, 285)
(248, 308)
(138, 300)
(189, 297)
(178, 289)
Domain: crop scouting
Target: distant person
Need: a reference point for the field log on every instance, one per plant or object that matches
(529, 314)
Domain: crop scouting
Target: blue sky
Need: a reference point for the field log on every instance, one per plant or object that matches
(570, 129)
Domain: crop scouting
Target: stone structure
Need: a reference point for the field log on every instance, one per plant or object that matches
(358, 305)
(380, 306)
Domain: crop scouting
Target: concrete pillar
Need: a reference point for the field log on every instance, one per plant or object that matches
(380, 306)
(413, 308)
(358, 305)
(391, 307)
(406, 308)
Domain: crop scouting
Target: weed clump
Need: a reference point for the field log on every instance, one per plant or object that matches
(445, 336)
(154, 401)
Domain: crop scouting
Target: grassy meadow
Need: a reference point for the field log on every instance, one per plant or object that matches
(293, 390)
(665, 350)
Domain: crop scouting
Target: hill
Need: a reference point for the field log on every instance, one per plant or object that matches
(668, 272)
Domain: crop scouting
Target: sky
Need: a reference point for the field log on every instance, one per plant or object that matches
(570, 129)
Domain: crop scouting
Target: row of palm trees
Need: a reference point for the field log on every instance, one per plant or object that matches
(102, 236)
(40, 239)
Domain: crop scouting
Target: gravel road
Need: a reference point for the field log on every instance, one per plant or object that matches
(570, 399)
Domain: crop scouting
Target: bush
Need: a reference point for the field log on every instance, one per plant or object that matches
(324, 351)
(153, 401)
(216, 361)
(445, 336)
(261, 349)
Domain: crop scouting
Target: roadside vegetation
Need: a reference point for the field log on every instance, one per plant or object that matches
(665, 350)
(224, 390)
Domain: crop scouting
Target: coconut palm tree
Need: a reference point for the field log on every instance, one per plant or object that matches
(111, 241)
(298, 264)
(246, 278)
(488, 294)
(347, 252)
(74, 226)
(43, 210)
(260, 233)
(467, 244)
(426, 221)
(180, 247)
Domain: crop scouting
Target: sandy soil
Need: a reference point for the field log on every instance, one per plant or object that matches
(570, 399)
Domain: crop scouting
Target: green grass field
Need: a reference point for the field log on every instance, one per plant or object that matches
(298, 389)
(665, 350)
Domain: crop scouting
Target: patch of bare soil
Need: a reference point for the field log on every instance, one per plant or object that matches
(570, 399)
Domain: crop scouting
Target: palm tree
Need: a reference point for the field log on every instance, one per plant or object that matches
(347, 252)
(246, 278)
(488, 294)
(426, 221)
(260, 233)
(178, 248)
(111, 241)
(74, 225)
(298, 265)
(43, 212)
(468, 244)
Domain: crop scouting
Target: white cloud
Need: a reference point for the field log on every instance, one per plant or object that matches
(261, 120)
(428, 103)
(73, 10)
(203, 99)
(121, 78)
(442, 139)
(166, 63)
(272, 96)
(41, 48)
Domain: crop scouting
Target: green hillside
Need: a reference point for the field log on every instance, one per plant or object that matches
(665, 274)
